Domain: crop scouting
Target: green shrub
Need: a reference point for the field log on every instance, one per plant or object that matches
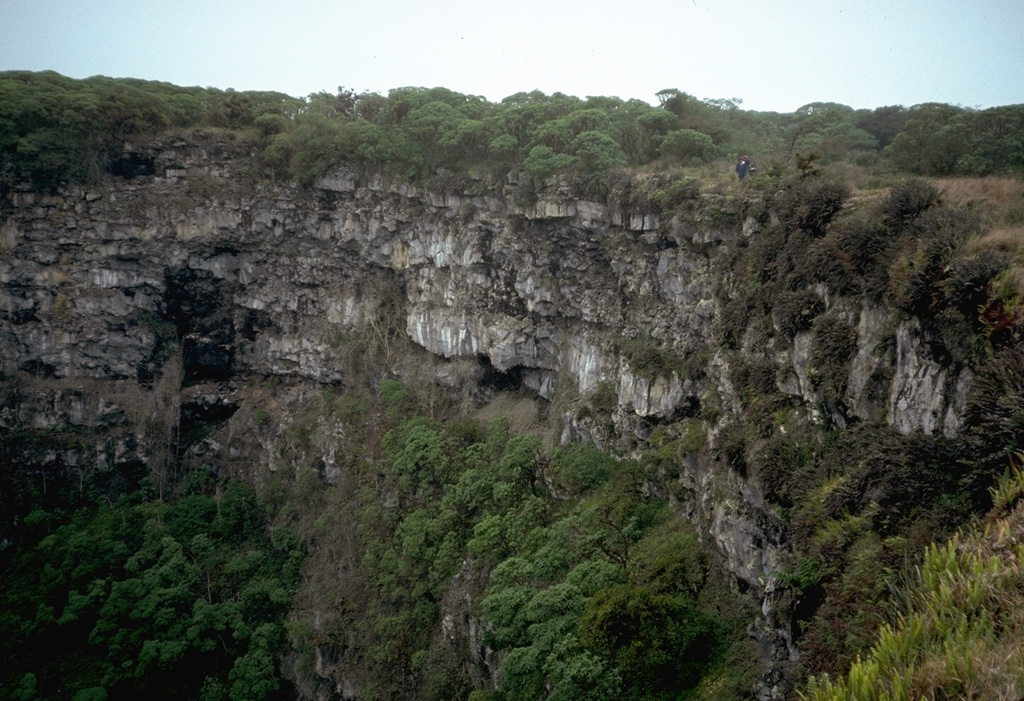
(596, 152)
(832, 348)
(906, 201)
(135, 590)
(757, 376)
(651, 659)
(864, 247)
(994, 412)
(833, 266)
(676, 194)
(960, 628)
(735, 319)
(651, 357)
(811, 203)
(794, 312)
(965, 286)
(731, 446)
(854, 256)
(600, 401)
(583, 467)
(543, 162)
(392, 392)
(688, 145)
(780, 464)
(931, 245)
(673, 442)
(900, 477)
(933, 279)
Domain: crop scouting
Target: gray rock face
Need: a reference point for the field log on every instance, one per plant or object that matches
(98, 285)
(925, 396)
(261, 279)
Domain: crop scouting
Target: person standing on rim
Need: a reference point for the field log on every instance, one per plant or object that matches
(743, 167)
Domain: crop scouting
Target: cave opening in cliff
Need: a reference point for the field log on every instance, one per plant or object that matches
(494, 380)
(130, 165)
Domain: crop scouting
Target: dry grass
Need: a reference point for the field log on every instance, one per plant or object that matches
(520, 409)
(714, 176)
(1001, 203)
(993, 192)
(1007, 238)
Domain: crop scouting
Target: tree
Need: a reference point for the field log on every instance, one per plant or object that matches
(826, 128)
(435, 128)
(597, 152)
(688, 145)
(659, 643)
(543, 162)
(996, 141)
(933, 140)
(883, 123)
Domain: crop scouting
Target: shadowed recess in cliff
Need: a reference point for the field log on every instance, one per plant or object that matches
(495, 380)
(199, 306)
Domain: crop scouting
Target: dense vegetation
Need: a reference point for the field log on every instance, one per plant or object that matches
(54, 129)
(187, 596)
(579, 562)
(140, 597)
(960, 619)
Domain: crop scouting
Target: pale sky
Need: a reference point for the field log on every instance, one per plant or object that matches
(772, 54)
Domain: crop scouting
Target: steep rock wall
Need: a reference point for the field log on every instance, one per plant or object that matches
(104, 286)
